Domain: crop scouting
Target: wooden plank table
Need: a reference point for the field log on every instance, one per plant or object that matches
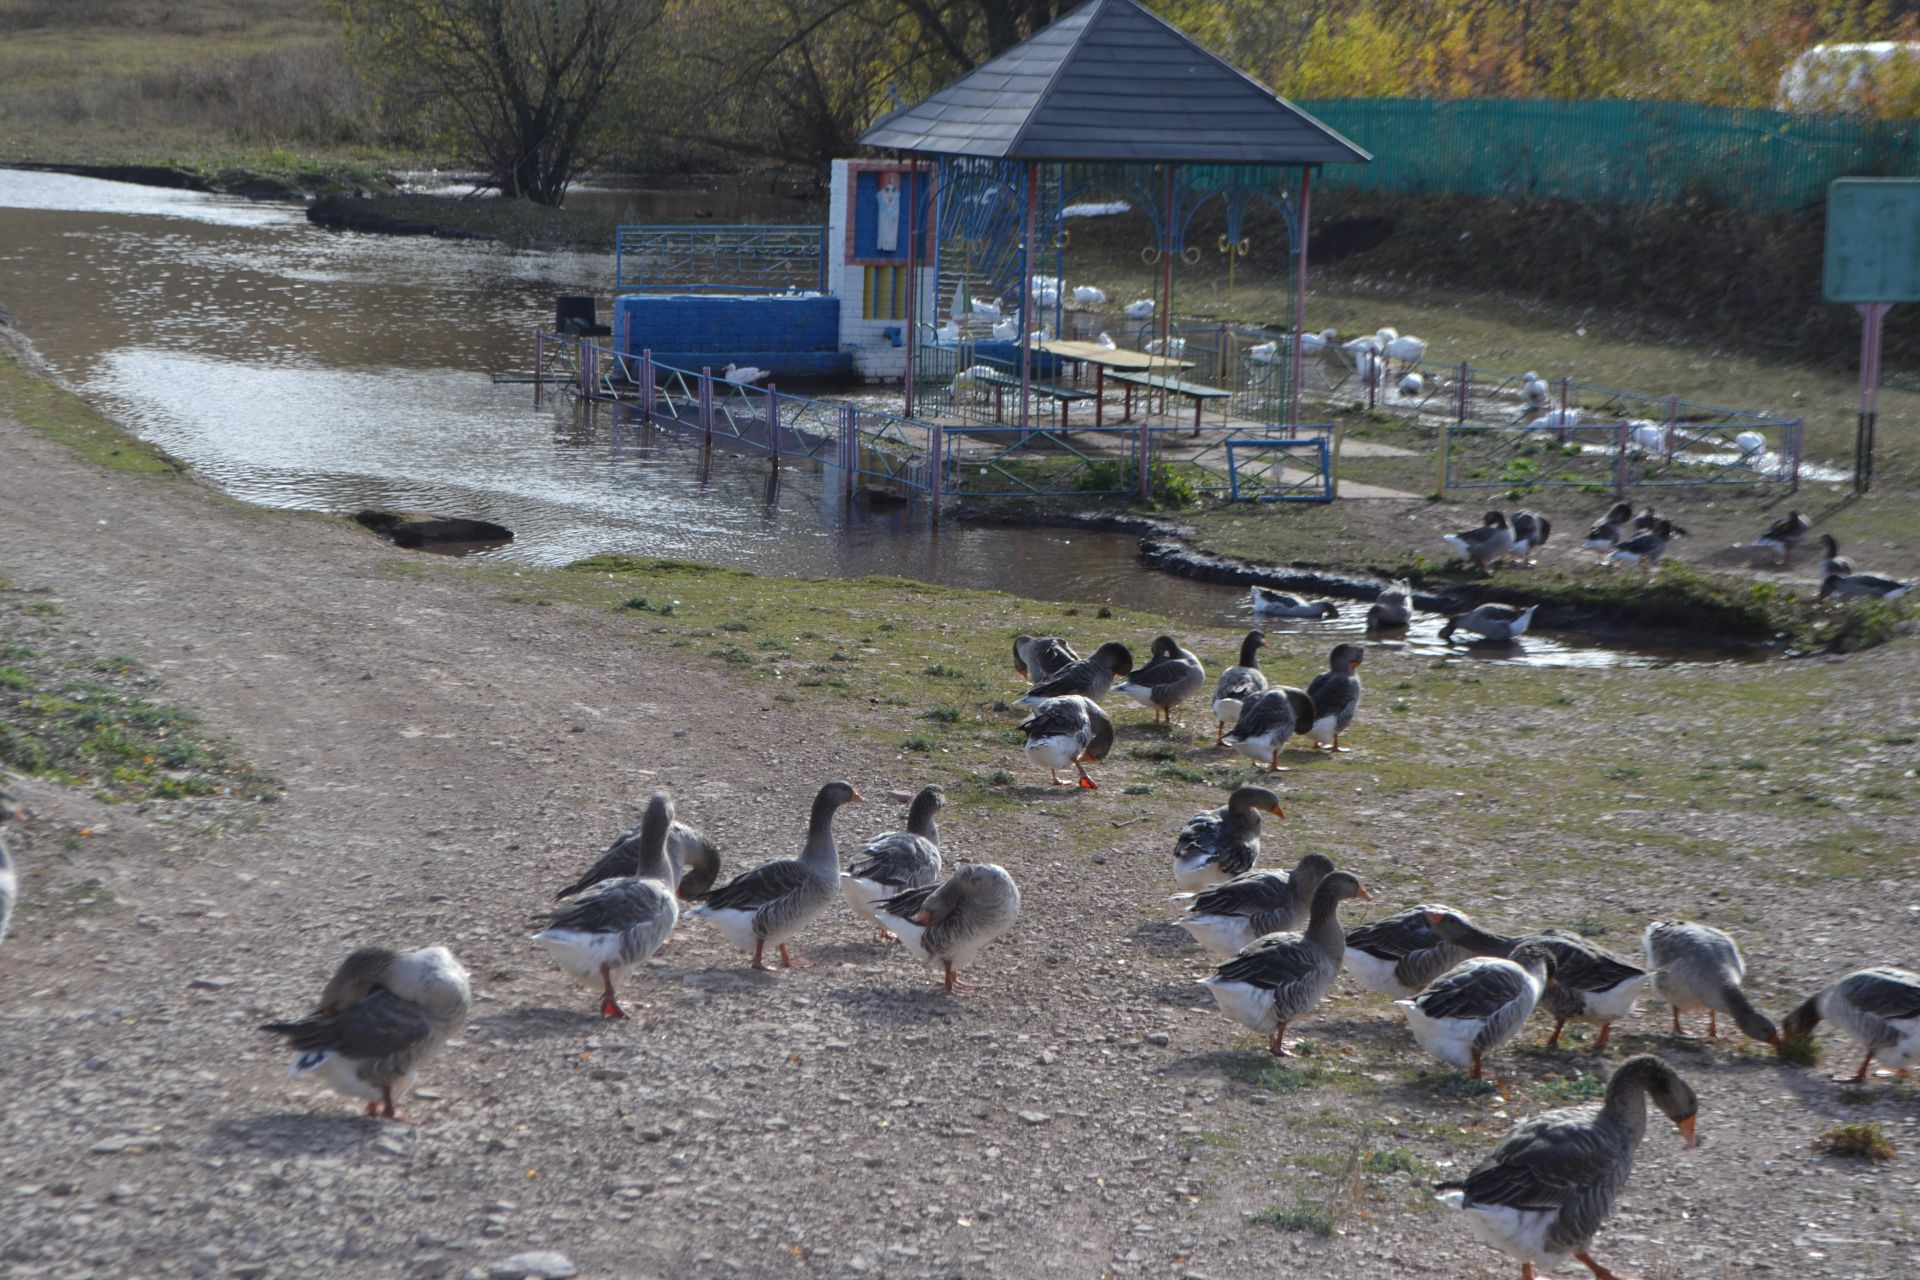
(1003, 383)
(1197, 392)
(1103, 358)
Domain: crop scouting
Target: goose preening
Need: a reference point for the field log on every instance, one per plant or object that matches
(1534, 391)
(1500, 622)
(694, 859)
(1645, 547)
(620, 923)
(771, 903)
(1365, 345)
(1336, 696)
(1413, 385)
(1281, 604)
(1172, 676)
(1067, 732)
(1227, 918)
(1478, 1005)
(1140, 309)
(1236, 684)
(1590, 984)
(1400, 955)
(1280, 977)
(381, 1016)
(1530, 533)
(1089, 677)
(1750, 443)
(1485, 543)
(893, 863)
(1606, 532)
(1696, 966)
(1833, 564)
(1863, 584)
(742, 375)
(1783, 535)
(950, 924)
(1392, 609)
(1548, 1188)
(1878, 1007)
(1265, 353)
(1086, 295)
(1267, 720)
(1222, 843)
(1040, 658)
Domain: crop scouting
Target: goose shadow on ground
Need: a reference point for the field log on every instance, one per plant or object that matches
(542, 1021)
(295, 1133)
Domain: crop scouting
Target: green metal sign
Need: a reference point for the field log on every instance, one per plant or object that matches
(1873, 240)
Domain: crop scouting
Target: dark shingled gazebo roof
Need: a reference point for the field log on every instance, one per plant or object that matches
(1112, 82)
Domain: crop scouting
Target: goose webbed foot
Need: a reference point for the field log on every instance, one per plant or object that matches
(1860, 1076)
(609, 1007)
(1553, 1041)
(759, 957)
(1606, 1029)
(1276, 1043)
(1599, 1272)
(955, 984)
(788, 961)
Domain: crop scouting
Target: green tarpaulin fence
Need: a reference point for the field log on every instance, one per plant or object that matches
(1611, 152)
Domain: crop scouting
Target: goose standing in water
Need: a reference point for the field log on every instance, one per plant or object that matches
(1590, 984)
(1088, 678)
(1485, 544)
(1222, 843)
(694, 859)
(1238, 683)
(382, 1015)
(771, 903)
(1281, 604)
(1478, 1005)
(1606, 532)
(1548, 1188)
(1783, 535)
(1282, 976)
(898, 861)
(1336, 696)
(1400, 955)
(1173, 676)
(1226, 918)
(1040, 658)
(1067, 732)
(1393, 609)
(621, 923)
(1267, 720)
(951, 923)
(1493, 621)
(1696, 966)
(1879, 1008)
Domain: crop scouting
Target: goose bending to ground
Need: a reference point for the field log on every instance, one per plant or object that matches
(1863, 584)
(1086, 295)
(1548, 1188)
(898, 861)
(1336, 696)
(1750, 443)
(1534, 391)
(1878, 1007)
(1606, 532)
(621, 923)
(1696, 966)
(1040, 658)
(1222, 843)
(1227, 918)
(382, 1015)
(1478, 1005)
(1393, 608)
(1494, 621)
(1280, 977)
(1400, 955)
(743, 375)
(1265, 353)
(1645, 547)
(1590, 984)
(1267, 720)
(1484, 544)
(1413, 385)
(1172, 676)
(1089, 677)
(694, 858)
(1282, 605)
(951, 923)
(1236, 684)
(1140, 309)
(1783, 535)
(1066, 732)
(1530, 533)
(771, 903)
(1833, 565)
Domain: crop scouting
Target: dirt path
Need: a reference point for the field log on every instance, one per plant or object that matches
(450, 755)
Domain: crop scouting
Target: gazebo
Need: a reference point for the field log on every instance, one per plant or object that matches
(1109, 102)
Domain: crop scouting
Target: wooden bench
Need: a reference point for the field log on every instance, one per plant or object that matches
(1197, 392)
(1005, 382)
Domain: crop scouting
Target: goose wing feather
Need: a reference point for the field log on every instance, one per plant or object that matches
(751, 890)
(899, 859)
(380, 1025)
(1475, 989)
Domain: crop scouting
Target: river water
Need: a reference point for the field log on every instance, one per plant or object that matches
(303, 368)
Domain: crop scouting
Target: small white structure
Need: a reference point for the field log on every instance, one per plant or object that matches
(867, 266)
(1841, 77)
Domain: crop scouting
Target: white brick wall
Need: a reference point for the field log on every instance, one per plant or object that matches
(874, 354)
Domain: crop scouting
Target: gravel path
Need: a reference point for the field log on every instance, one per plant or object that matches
(451, 756)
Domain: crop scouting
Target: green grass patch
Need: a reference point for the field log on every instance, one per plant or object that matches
(1862, 1141)
(1296, 1218)
(61, 415)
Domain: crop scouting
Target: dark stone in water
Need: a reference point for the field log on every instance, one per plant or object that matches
(414, 531)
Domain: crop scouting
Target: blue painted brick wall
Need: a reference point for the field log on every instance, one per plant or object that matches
(782, 334)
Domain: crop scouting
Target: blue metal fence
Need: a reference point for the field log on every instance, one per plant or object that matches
(745, 259)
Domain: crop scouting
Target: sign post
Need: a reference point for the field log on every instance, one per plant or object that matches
(1872, 261)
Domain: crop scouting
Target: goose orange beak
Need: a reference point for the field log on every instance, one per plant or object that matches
(1363, 895)
(1686, 1130)
(1277, 812)
(856, 797)
(1433, 917)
